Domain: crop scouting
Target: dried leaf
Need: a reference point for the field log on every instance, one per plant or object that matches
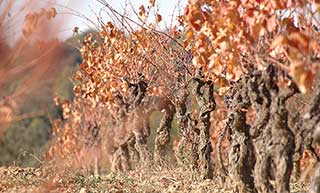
(152, 2)
(142, 11)
(159, 18)
(110, 25)
(303, 77)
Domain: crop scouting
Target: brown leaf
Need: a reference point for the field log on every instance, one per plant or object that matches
(53, 12)
(159, 18)
(142, 11)
(110, 25)
(152, 2)
(302, 76)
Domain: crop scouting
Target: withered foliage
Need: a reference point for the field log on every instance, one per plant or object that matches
(261, 57)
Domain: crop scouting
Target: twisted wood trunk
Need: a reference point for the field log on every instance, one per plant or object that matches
(273, 139)
(204, 93)
(134, 121)
(183, 124)
(163, 134)
(241, 157)
(312, 126)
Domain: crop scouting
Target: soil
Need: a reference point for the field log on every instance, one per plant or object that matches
(169, 179)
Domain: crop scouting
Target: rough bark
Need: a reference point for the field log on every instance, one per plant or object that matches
(92, 141)
(182, 119)
(120, 159)
(204, 93)
(120, 155)
(260, 99)
(282, 144)
(140, 119)
(195, 139)
(222, 169)
(274, 141)
(135, 118)
(312, 126)
(163, 134)
(133, 152)
(299, 145)
(241, 159)
(141, 131)
(315, 184)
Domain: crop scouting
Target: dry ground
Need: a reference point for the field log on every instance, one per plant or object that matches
(14, 179)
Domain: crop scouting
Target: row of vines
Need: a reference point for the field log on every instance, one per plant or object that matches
(239, 78)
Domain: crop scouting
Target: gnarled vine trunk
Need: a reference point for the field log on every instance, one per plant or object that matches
(135, 118)
(260, 99)
(281, 146)
(120, 159)
(183, 123)
(163, 131)
(204, 93)
(241, 158)
(273, 139)
(311, 124)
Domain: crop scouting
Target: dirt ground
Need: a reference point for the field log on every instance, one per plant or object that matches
(14, 179)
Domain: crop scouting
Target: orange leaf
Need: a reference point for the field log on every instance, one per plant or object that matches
(159, 18)
(110, 25)
(142, 11)
(302, 77)
(152, 2)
